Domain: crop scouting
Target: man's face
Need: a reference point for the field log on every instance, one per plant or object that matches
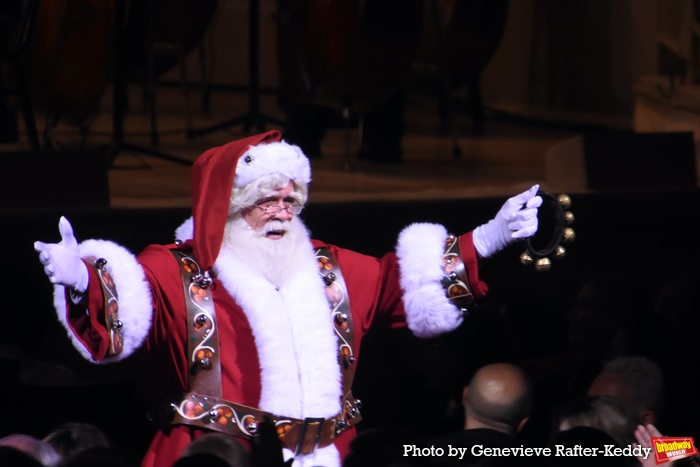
(258, 217)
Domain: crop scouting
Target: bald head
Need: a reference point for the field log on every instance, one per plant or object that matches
(499, 397)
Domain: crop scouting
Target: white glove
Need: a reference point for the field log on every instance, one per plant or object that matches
(62, 261)
(516, 220)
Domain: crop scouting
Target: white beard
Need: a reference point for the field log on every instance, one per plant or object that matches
(273, 259)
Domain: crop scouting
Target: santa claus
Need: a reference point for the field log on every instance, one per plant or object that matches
(248, 318)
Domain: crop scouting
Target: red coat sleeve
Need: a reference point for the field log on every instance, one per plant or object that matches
(87, 320)
(471, 263)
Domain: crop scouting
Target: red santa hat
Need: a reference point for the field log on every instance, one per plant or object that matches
(219, 169)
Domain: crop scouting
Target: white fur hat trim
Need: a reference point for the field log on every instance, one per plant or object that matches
(276, 157)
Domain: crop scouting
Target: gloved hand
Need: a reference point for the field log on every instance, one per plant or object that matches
(516, 220)
(62, 261)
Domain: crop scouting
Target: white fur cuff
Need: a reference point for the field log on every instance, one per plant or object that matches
(135, 305)
(428, 311)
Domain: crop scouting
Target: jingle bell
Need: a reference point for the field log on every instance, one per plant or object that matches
(569, 235)
(568, 217)
(543, 264)
(526, 259)
(559, 252)
(564, 201)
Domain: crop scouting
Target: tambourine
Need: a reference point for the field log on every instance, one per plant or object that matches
(554, 219)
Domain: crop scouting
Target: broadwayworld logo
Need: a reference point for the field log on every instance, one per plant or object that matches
(667, 449)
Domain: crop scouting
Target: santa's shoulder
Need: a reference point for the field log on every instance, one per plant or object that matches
(157, 257)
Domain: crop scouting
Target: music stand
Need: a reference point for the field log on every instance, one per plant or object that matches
(118, 144)
(253, 118)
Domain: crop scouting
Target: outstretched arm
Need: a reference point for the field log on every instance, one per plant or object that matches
(101, 294)
(439, 274)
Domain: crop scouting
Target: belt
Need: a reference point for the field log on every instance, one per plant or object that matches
(301, 436)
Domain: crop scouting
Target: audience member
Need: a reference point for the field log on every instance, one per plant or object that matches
(573, 441)
(43, 452)
(595, 422)
(636, 381)
(72, 438)
(497, 404)
(221, 445)
(602, 412)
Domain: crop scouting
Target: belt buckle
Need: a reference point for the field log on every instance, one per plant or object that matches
(309, 421)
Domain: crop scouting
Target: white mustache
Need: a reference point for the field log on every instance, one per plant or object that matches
(274, 225)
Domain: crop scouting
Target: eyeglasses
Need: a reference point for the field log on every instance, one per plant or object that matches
(272, 207)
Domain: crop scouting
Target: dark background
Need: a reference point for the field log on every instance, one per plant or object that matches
(568, 65)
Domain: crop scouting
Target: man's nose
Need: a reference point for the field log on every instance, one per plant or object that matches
(283, 214)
